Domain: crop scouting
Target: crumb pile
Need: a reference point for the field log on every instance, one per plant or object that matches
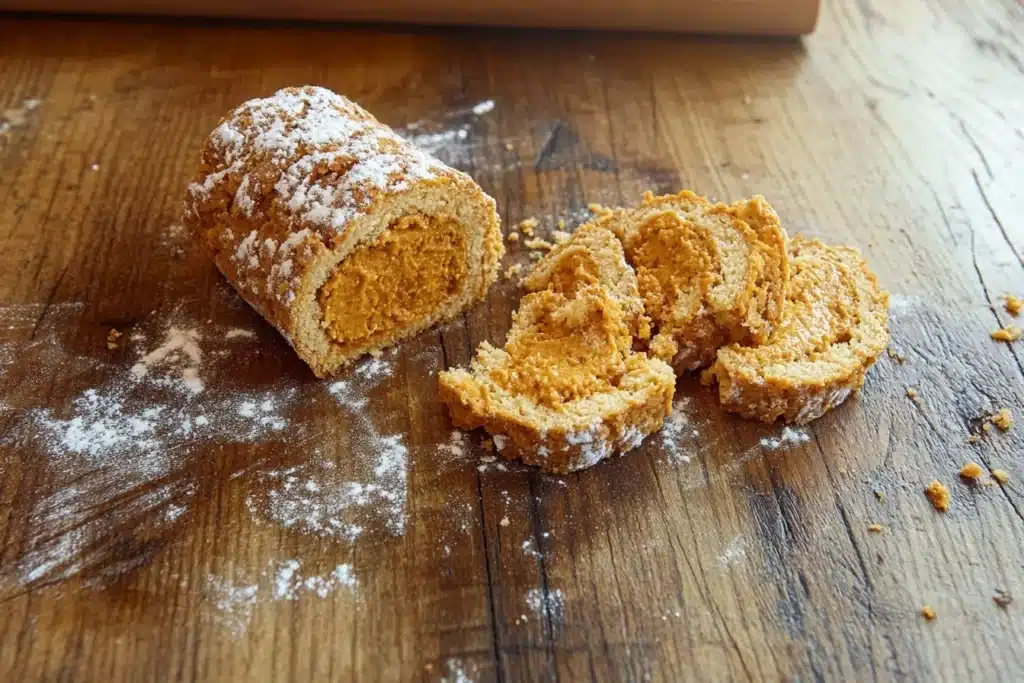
(787, 328)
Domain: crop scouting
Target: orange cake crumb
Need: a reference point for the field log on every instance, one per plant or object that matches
(972, 471)
(896, 355)
(527, 226)
(1002, 476)
(1008, 334)
(876, 528)
(928, 613)
(537, 243)
(1013, 304)
(938, 495)
(1002, 419)
(112, 338)
(513, 236)
(912, 395)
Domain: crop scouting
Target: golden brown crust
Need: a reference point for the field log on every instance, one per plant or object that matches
(289, 185)
(835, 327)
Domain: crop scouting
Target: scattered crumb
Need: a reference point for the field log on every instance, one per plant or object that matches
(938, 495)
(1002, 419)
(1013, 304)
(972, 472)
(513, 270)
(527, 226)
(513, 236)
(912, 394)
(504, 521)
(537, 243)
(974, 438)
(112, 336)
(880, 496)
(896, 355)
(876, 528)
(1002, 598)
(509, 146)
(1001, 476)
(561, 224)
(95, 167)
(1008, 334)
(928, 613)
(561, 236)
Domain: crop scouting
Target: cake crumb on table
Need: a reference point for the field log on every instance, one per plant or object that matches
(913, 395)
(876, 528)
(1013, 304)
(928, 613)
(1008, 334)
(972, 472)
(513, 270)
(504, 521)
(537, 243)
(1002, 419)
(1001, 476)
(896, 355)
(112, 336)
(880, 496)
(513, 236)
(974, 438)
(527, 226)
(938, 495)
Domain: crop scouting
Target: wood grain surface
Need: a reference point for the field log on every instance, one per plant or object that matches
(895, 127)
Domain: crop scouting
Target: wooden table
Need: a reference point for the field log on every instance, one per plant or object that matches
(895, 127)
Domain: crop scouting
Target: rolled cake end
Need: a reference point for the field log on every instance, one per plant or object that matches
(344, 236)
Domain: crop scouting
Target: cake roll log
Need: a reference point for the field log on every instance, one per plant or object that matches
(344, 236)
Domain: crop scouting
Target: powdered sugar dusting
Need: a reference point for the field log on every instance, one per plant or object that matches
(180, 352)
(456, 672)
(309, 134)
(289, 583)
(284, 580)
(130, 439)
(678, 435)
(234, 602)
(788, 438)
(734, 552)
(316, 497)
(548, 606)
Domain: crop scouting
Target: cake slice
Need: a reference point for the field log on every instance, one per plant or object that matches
(835, 326)
(567, 390)
(708, 274)
(593, 255)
